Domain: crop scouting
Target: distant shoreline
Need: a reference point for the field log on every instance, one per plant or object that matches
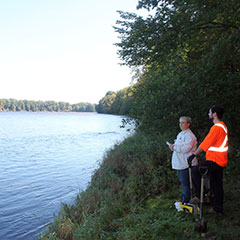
(13, 105)
(48, 111)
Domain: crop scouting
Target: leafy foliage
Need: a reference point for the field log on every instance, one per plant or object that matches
(50, 106)
(190, 53)
(116, 103)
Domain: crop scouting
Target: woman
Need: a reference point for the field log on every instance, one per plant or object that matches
(184, 145)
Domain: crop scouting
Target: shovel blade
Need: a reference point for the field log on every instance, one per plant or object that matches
(201, 226)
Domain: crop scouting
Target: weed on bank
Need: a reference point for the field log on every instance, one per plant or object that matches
(131, 196)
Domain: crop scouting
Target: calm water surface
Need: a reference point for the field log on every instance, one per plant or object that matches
(46, 159)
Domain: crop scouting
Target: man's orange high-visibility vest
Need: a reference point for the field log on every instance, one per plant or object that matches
(215, 144)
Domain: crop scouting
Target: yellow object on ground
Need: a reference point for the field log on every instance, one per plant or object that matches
(187, 207)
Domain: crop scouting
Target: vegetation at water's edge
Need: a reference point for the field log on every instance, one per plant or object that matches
(14, 105)
(187, 54)
(119, 102)
(132, 195)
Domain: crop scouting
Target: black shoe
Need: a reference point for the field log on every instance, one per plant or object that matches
(212, 211)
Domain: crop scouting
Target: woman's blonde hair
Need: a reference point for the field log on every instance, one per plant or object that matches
(187, 119)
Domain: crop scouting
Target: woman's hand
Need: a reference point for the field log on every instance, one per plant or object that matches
(171, 146)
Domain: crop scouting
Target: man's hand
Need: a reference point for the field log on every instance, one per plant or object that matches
(190, 158)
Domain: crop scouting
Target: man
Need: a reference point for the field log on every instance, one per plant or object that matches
(215, 145)
(184, 145)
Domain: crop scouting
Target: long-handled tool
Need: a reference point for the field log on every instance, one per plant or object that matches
(194, 206)
(190, 179)
(201, 224)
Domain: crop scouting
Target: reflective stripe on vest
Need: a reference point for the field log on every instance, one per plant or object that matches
(221, 148)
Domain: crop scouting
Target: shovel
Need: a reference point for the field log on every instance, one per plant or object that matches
(195, 207)
(201, 224)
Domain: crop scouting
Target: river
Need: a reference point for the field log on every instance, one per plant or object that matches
(46, 159)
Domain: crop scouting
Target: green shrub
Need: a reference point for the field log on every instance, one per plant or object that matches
(130, 173)
(132, 194)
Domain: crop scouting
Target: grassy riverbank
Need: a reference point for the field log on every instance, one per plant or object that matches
(132, 195)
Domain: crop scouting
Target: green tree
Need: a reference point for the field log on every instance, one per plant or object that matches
(106, 102)
(25, 105)
(190, 55)
(116, 103)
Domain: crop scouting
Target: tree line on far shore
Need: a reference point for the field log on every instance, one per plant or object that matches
(13, 105)
(119, 102)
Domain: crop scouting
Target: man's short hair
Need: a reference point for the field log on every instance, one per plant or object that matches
(218, 110)
(187, 119)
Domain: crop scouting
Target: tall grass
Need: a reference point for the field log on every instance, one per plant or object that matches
(131, 196)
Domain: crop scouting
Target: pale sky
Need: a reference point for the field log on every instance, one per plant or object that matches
(61, 50)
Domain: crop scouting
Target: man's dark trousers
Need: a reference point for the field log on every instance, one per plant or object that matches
(216, 181)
